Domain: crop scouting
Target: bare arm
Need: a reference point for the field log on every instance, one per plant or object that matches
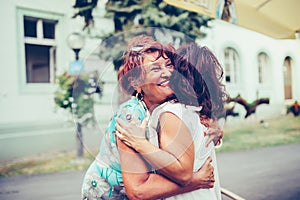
(175, 156)
(140, 184)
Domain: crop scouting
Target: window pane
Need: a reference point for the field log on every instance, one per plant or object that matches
(231, 65)
(37, 63)
(49, 29)
(263, 68)
(30, 26)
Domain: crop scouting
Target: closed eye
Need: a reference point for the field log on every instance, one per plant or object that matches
(155, 69)
(169, 65)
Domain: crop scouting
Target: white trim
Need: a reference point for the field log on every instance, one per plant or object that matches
(39, 29)
(40, 41)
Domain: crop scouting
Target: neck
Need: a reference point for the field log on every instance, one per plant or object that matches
(150, 105)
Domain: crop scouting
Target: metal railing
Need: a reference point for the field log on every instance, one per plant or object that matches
(230, 194)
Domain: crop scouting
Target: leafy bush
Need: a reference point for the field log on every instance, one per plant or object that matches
(76, 94)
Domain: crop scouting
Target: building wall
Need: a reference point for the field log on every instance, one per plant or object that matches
(18, 102)
(29, 120)
(248, 45)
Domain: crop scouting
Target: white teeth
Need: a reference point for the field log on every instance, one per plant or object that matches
(164, 83)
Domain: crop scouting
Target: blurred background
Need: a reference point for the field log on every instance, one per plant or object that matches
(257, 45)
(58, 85)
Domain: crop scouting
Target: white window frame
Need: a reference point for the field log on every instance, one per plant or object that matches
(231, 65)
(39, 40)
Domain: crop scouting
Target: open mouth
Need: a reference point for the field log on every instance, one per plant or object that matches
(164, 83)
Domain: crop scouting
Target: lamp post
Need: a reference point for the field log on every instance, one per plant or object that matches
(76, 42)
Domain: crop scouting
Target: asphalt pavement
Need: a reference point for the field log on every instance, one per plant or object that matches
(260, 174)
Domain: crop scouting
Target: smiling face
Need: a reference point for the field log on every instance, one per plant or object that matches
(147, 69)
(156, 82)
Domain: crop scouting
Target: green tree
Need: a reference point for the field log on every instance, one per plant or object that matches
(132, 14)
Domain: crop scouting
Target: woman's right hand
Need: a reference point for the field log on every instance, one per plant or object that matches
(131, 133)
(204, 177)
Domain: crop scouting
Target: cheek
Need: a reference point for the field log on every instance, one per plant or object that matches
(151, 79)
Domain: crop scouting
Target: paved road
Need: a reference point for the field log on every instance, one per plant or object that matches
(261, 174)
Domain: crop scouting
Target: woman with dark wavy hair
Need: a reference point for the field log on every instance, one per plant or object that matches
(145, 75)
(198, 65)
(181, 140)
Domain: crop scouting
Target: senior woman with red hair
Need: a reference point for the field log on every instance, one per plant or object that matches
(145, 75)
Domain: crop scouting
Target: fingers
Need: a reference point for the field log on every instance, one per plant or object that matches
(210, 139)
(123, 137)
(207, 167)
(205, 175)
(215, 134)
(121, 122)
(120, 128)
(120, 136)
(219, 144)
(207, 162)
(121, 125)
(209, 159)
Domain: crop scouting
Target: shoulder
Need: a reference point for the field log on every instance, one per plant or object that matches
(180, 110)
(132, 109)
(174, 108)
(132, 102)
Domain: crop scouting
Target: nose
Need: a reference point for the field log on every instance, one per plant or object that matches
(166, 72)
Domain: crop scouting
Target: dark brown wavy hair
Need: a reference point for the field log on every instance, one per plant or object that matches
(131, 74)
(198, 80)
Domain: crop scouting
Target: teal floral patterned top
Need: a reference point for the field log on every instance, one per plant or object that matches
(104, 176)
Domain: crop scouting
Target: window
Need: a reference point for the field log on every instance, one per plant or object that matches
(263, 68)
(37, 39)
(39, 47)
(231, 63)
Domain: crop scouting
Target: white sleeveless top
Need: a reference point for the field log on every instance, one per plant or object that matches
(191, 119)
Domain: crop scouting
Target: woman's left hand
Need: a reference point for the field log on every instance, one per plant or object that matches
(214, 131)
(130, 133)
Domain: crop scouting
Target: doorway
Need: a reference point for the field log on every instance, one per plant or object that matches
(287, 77)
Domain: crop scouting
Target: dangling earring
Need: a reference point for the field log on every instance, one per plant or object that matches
(139, 95)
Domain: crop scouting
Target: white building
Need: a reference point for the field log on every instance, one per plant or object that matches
(34, 49)
(257, 66)
(33, 38)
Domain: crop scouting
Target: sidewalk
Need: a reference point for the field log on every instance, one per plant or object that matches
(260, 174)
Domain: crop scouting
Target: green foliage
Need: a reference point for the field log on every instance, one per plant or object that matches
(76, 94)
(129, 15)
(84, 9)
(137, 15)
